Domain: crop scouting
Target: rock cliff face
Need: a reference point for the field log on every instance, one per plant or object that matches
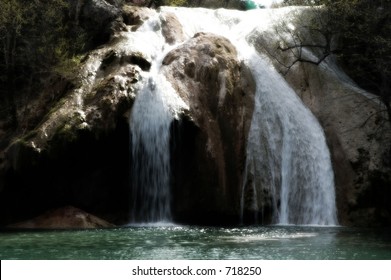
(77, 153)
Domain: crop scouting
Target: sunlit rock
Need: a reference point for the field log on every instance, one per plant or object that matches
(171, 28)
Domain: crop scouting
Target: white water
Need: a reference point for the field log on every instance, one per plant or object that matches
(287, 156)
(154, 109)
(150, 132)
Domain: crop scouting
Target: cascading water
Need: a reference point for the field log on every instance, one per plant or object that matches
(154, 109)
(288, 166)
(287, 154)
(150, 134)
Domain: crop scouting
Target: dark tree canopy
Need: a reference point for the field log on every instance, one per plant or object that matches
(37, 40)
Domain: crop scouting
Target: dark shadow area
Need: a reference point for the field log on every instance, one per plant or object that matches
(91, 173)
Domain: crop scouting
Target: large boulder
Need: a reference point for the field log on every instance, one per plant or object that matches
(67, 217)
(171, 28)
(209, 156)
(135, 16)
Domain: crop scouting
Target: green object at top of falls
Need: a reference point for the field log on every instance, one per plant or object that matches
(251, 5)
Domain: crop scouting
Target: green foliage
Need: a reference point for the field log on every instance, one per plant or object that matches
(175, 2)
(365, 39)
(250, 5)
(37, 40)
(37, 34)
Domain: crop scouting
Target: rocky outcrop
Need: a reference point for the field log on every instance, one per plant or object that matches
(209, 159)
(95, 16)
(171, 28)
(102, 20)
(75, 155)
(135, 16)
(106, 91)
(63, 218)
(72, 144)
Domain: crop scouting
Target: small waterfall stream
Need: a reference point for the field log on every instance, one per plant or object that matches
(288, 167)
(287, 155)
(154, 109)
(150, 134)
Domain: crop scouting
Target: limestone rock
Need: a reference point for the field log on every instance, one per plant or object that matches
(219, 91)
(171, 28)
(63, 218)
(135, 16)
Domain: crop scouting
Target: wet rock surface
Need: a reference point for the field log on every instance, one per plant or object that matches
(209, 158)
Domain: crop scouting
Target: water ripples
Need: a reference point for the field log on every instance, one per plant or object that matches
(187, 242)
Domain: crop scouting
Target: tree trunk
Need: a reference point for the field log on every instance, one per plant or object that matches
(10, 91)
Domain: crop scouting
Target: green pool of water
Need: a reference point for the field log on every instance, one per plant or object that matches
(187, 242)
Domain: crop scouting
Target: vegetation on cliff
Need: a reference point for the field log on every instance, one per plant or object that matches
(38, 41)
(359, 34)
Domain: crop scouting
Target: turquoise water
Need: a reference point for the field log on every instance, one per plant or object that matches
(187, 242)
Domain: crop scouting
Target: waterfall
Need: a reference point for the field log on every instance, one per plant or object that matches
(154, 109)
(288, 168)
(287, 155)
(150, 136)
